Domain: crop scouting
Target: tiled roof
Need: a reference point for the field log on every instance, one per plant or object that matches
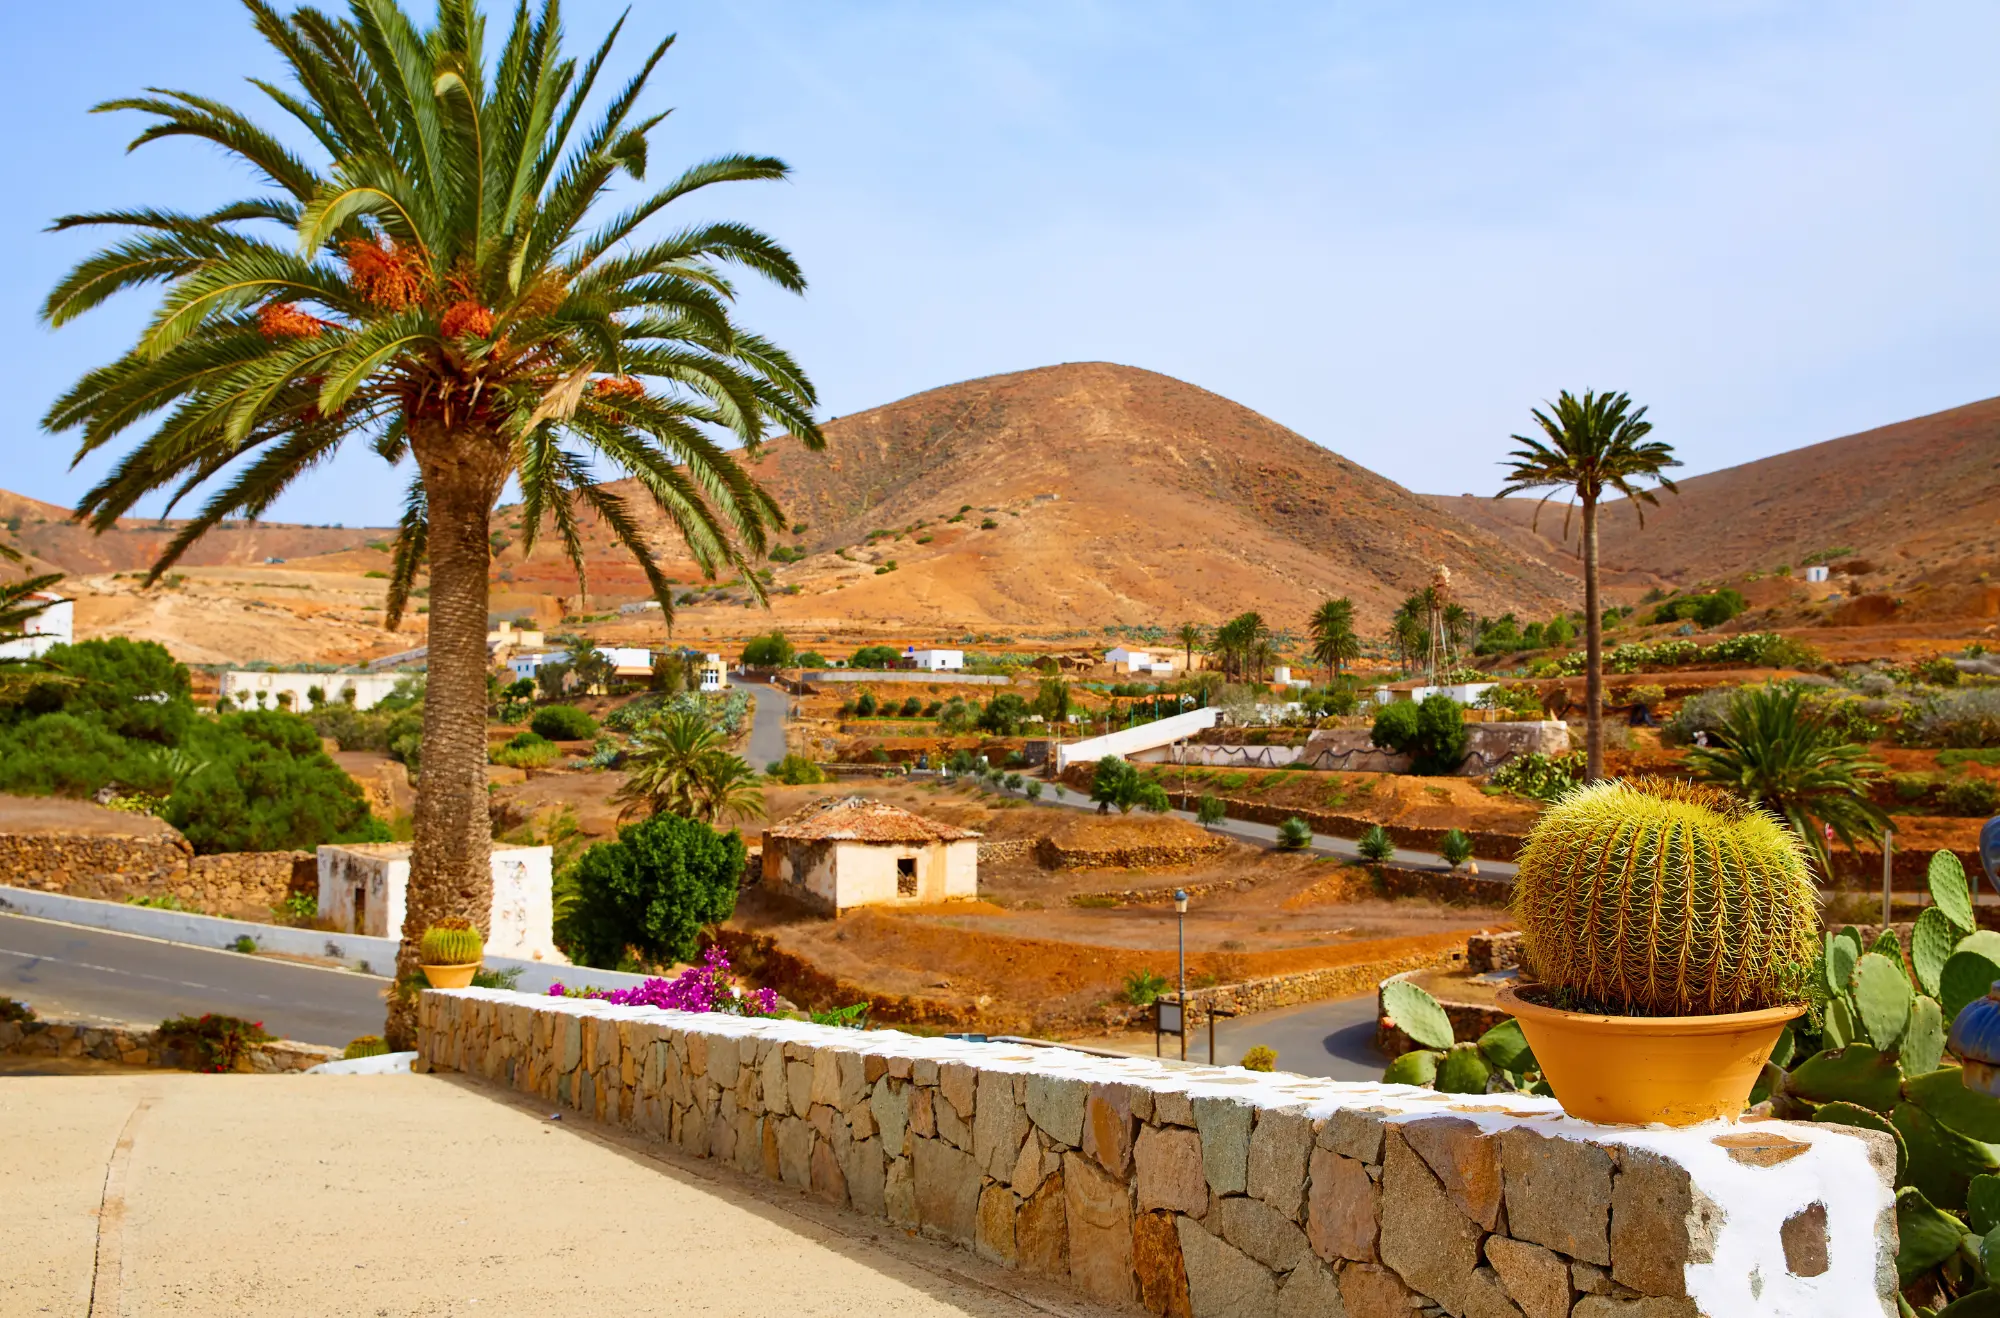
(858, 819)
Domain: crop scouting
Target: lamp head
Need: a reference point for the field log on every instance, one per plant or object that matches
(1180, 900)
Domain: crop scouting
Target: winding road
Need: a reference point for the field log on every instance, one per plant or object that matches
(767, 726)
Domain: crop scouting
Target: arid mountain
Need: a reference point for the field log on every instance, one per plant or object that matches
(1913, 509)
(46, 532)
(1089, 494)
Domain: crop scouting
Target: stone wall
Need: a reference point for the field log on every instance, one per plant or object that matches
(1352, 749)
(992, 853)
(114, 868)
(1200, 1191)
(1057, 853)
(133, 1045)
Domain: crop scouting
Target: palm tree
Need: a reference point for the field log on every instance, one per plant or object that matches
(726, 785)
(1593, 444)
(663, 769)
(1777, 753)
(431, 274)
(1333, 638)
(1409, 630)
(1237, 639)
(1189, 635)
(20, 600)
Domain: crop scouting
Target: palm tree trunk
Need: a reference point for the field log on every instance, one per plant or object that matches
(1593, 649)
(450, 865)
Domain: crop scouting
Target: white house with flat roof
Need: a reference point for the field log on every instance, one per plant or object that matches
(258, 690)
(937, 661)
(40, 632)
(363, 887)
(714, 673)
(1127, 660)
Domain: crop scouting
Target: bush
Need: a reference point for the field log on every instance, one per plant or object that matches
(1115, 782)
(1709, 610)
(648, 895)
(1455, 847)
(267, 786)
(771, 650)
(796, 771)
(527, 751)
(1972, 797)
(217, 1043)
(563, 723)
(1004, 715)
(1294, 834)
(810, 659)
(1432, 733)
(1209, 811)
(864, 705)
(1376, 845)
(1966, 718)
(131, 689)
(875, 656)
(1542, 777)
(1033, 789)
(1144, 987)
(1012, 782)
(1263, 1057)
(912, 707)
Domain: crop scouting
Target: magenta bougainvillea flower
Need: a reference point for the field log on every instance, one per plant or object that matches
(706, 987)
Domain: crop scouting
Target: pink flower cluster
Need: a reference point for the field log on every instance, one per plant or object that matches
(706, 987)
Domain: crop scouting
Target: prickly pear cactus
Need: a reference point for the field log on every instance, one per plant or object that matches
(452, 942)
(1498, 1061)
(1646, 897)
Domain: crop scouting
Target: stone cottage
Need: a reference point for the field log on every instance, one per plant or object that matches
(362, 888)
(851, 851)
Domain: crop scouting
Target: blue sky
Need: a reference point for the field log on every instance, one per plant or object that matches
(1392, 227)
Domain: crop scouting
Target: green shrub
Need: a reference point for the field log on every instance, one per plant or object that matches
(1432, 733)
(1455, 847)
(563, 723)
(1012, 782)
(1294, 834)
(648, 895)
(771, 650)
(1004, 715)
(875, 656)
(1542, 777)
(1261, 1057)
(1209, 811)
(212, 1043)
(522, 753)
(1034, 789)
(912, 707)
(1144, 987)
(267, 786)
(1117, 783)
(131, 689)
(1975, 797)
(810, 659)
(864, 704)
(1711, 610)
(796, 771)
(1968, 717)
(1376, 845)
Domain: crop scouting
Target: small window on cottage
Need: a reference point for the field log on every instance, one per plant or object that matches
(906, 877)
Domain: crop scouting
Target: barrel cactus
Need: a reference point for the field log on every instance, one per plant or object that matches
(1647, 897)
(452, 942)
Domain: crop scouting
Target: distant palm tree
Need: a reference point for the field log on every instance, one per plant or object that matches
(1333, 638)
(662, 771)
(1591, 445)
(425, 268)
(1458, 627)
(1777, 753)
(19, 602)
(1409, 630)
(726, 786)
(1189, 636)
(1237, 639)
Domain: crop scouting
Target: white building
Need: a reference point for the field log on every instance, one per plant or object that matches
(714, 673)
(937, 661)
(1818, 572)
(846, 852)
(254, 690)
(1465, 693)
(363, 887)
(1126, 660)
(53, 626)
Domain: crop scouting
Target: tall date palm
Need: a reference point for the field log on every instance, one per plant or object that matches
(1590, 446)
(440, 279)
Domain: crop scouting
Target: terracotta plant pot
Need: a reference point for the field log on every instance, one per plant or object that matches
(451, 976)
(1634, 1070)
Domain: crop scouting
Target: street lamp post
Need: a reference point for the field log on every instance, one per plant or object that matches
(1180, 921)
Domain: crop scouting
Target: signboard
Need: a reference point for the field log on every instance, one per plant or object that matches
(1167, 1019)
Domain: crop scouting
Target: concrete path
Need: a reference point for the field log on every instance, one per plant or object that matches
(89, 974)
(170, 1194)
(1333, 1040)
(767, 728)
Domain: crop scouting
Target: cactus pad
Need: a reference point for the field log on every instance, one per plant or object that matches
(1655, 898)
(1463, 1071)
(1931, 945)
(452, 942)
(1882, 999)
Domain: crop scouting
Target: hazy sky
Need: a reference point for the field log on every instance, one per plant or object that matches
(1391, 227)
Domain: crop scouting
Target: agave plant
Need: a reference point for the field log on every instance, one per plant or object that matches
(426, 268)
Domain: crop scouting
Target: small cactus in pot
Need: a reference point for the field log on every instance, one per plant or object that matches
(451, 951)
(1671, 931)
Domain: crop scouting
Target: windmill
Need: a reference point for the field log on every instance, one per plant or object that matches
(1437, 596)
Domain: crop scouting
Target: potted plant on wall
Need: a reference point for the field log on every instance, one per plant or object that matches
(452, 949)
(1670, 932)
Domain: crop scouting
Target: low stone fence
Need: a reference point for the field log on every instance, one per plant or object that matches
(118, 867)
(1352, 749)
(133, 1045)
(1192, 1190)
(991, 853)
(1052, 853)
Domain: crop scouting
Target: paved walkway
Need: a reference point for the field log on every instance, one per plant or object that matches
(767, 726)
(70, 972)
(167, 1193)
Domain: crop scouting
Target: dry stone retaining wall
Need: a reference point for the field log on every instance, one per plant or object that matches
(116, 867)
(134, 1045)
(1202, 1191)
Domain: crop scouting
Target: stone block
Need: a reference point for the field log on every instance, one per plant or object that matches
(1107, 1128)
(957, 1082)
(1170, 1175)
(1430, 1242)
(1369, 1291)
(998, 1125)
(1537, 1279)
(828, 1181)
(1041, 1230)
(899, 1193)
(864, 1169)
(1056, 1104)
(1558, 1194)
(922, 1104)
(1224, 1124)
(572, 1044)
(924, 1070)
(994, 1240)
(947, 1189)
(1156, 1261)
(1309, 1291)
(1344, 1209)
(1034, 1164)
(1260, 1231)
(853, 1080)
(1804, 1238)
(1098, 1211)
(776, 1091)
(1466, 1163)
(795, 1142)
(873, 1067)
(724, 1060)
(1660, 1223)
(1278, 1149)
(1223, 1282)
(799, 1087)
(1354, 1134)
(950, 1128)
(902, 1068)
(826, 1077)
(1172, 1108)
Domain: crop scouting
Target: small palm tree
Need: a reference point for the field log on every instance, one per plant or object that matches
(662, 772)
(1189, 636)
(725, 786)
(1590, 446)
(1333, 638)
(21, 600)
(1776, 753)
(426, 268)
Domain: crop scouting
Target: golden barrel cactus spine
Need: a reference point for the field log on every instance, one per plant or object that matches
(452, 942)
(1649, 897)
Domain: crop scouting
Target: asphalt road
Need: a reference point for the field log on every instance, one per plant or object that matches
(767, 727)
(89, 974)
